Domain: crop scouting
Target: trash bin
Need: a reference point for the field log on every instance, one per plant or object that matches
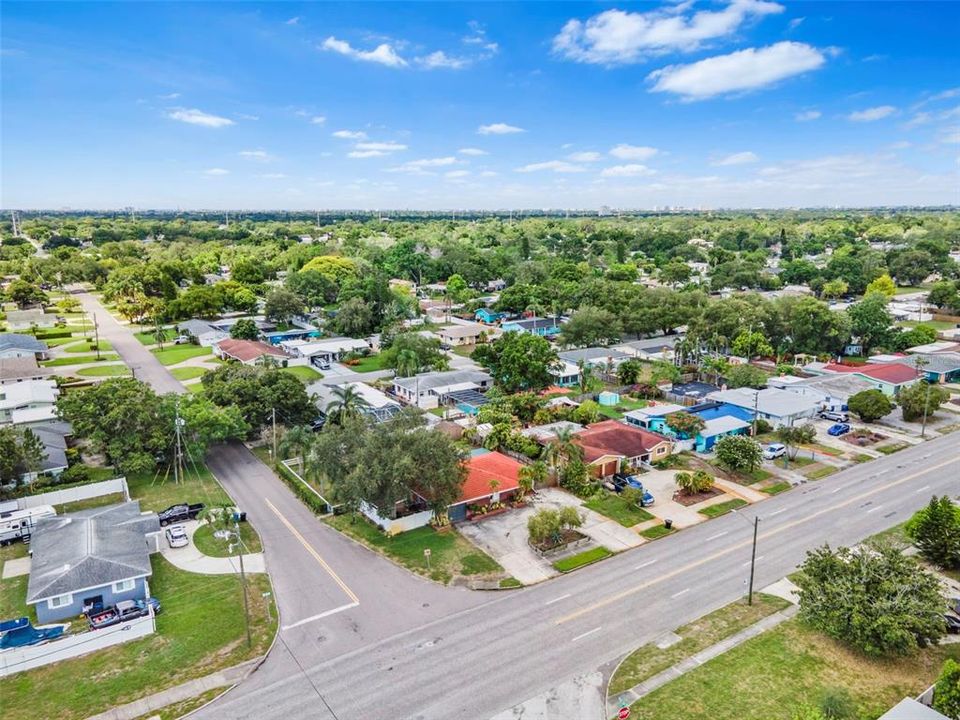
(668, 524)
(240, 516)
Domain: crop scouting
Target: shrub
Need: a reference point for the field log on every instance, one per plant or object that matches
(546, 526)
(695, 482)
(763, 426)
(75, 474)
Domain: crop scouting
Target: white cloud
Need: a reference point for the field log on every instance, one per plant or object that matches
(872, 114)
(171, 96)
(244, 116)
(740, 158)
(382, 54)
(616, 37)
(488, 173)
(795, 23)
(633, 152)
(215, 172)
(499, 129)
(807, 115)
(440, 60)
(350, 134)
(293, 21)
(584, 156)
(259, 155)
(557, 166)
(318, 120)
(198, 117)
(272, 176)
(951, 137)
(365, 153)
(417, 167)
(629, 170)
(380, 146)
(474, 152)
(456, 173)
(900, 145)
(740, 71)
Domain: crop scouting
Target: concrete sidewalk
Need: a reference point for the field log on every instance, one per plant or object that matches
(630, 696)
(192, 560)
(179, 693)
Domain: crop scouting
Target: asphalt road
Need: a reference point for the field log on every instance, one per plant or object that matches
(361, 638)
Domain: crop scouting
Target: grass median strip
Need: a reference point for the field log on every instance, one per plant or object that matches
(657, 531)
(822, 472)
(580, 559)
(616, 508)
(776, 488)
(712, 511)
(648, 660)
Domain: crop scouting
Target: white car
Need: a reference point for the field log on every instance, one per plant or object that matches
(177, 536)
(774, 450)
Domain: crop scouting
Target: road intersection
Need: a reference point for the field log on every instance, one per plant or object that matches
(360, 637)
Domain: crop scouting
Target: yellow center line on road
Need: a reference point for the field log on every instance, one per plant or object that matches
(746, 543)
(323, 563)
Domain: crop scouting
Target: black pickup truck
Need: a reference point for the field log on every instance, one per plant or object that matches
(179, 513)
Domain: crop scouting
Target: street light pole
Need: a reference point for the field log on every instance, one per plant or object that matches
(753, 558)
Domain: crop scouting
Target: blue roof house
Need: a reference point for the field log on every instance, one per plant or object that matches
(720, 420)
(544, 327)
(488, 316)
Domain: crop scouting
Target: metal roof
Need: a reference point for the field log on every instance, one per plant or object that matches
(471, 398)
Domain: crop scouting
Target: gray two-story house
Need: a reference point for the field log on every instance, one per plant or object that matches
(91, 557)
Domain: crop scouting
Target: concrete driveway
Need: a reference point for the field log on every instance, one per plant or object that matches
(504, 537)
(189, 558)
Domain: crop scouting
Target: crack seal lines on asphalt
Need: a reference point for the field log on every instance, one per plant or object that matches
(745, 543)
(354, 600)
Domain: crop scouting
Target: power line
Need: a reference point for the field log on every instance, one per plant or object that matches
(304, 673)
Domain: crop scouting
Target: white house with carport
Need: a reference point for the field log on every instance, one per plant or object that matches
(203, 332)
(430, 390)
(778, 407)
(832, 392)
(320, 352)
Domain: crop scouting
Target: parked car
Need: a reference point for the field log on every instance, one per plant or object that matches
(835, 415)
(179, 513)
(621, 481)
(774, 450)
(177, 536)
(953, 624)
(182, 340)
(838, 429)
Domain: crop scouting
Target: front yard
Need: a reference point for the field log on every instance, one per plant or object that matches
(370, 363)
(450, 554)
(616, 508)
(178, 353)
(200, 631)
(771, 675)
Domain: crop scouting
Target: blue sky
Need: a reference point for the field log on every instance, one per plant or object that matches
(750, 103)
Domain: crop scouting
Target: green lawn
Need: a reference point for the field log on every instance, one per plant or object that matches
(146, 337)
(822, 472)
(935, 324)
(200, 631)
(771, 675)
(159, 492)
(824, 449)
(57, 342)
(215, 547)
(616, 508)
(187, 373)
(450, 553)
(712, 511)
(754, 476)
(83, 346)
(657, 531)
(13, 591)
(648, 660)
(178, 353)
(776, 488)
(367, 364)
(104, 371)
(304, 373)
(580, 559)
(892, 448)
(625, 405)
(80, 360)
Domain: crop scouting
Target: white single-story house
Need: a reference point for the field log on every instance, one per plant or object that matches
(832, 391)
(26, 319)
(655, 348)
(324, 351)
(601, 358)
(565, 374)
(29, 402)
(547, 433)
(15, 345)
(248, 352)
(429, 390)
(778, 407)
(470, 334)
(378, 405)
(21, 369)
(203, 332)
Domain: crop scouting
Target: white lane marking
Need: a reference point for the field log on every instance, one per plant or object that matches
(837, 489)
(676, 595)
(874, 509)
(328, 613)
(588, 632)
(920, 490)
(718, 535)
(556, 600)
(777, 512)
(758, 559)
(646, 564)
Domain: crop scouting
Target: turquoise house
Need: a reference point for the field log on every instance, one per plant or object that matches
(488, 316)
(544, 327)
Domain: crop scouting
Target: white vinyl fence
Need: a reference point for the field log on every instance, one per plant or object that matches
(80, 492)
(14, 660)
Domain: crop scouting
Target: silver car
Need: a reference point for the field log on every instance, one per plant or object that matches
(177, 536)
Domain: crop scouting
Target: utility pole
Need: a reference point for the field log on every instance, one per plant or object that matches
(243, 582)
(96, 335)
(753, 558)
(756, 404)
(920, 363)
(273, 419)
(178, 451)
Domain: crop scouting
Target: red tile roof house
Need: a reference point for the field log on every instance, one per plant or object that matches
(247, 352)
(889, 378)
(606, 444)
(481, 470)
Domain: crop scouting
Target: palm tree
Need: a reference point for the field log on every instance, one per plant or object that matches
(717, 365)
(562, 450)
(347, 403)
(296, 442)
(585, 376)
(408, 363)
(530, 476)
(159, 334)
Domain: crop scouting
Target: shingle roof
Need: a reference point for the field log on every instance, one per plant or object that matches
(89, 549)
(21, 367)
(428, 381)
(592, 353)
(21, 342)
(198, 327)
(612, 437)
(245, 350)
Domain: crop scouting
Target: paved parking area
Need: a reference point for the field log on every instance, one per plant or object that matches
(504, 537)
